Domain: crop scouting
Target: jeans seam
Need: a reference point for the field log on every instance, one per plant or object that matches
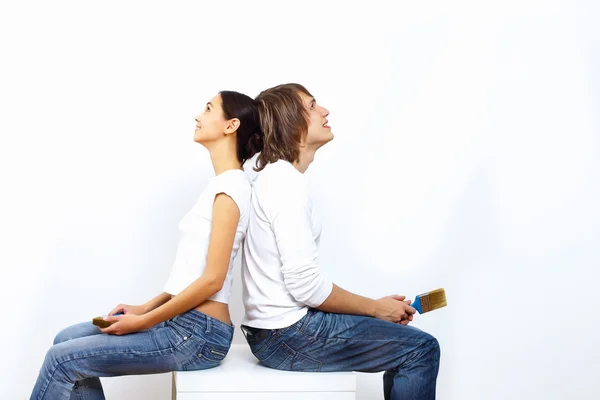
(287, 349)
(43, 391)
(275, 335)
(304, 322)
(110, 353)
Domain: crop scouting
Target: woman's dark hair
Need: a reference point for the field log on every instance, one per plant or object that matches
(283, 121)
(249, 134)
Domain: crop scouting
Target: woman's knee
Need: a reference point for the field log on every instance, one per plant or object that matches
(61, 336)
(56, 363)
(75, 331)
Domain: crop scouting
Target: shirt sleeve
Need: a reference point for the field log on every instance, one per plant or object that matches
(237, 188)
(292, 226)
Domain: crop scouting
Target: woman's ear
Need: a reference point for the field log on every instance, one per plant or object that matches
(232, 126)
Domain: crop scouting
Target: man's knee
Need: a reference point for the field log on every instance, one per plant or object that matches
(429, 348)
(434, 345)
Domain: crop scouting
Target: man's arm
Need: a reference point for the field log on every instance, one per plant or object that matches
(292, 225)
(390, 308)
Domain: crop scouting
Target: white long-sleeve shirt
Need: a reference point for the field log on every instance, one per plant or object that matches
(280, 263)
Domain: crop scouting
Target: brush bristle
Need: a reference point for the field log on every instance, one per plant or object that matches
(433, 300)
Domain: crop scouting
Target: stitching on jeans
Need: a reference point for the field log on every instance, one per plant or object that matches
(125, 352)
(318, 364)
(315, 338)
(291, 353)
(194, 358)
(296, 357)
(304, 323)
(274, 336)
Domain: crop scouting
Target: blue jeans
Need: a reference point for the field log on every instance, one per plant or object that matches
(81, 354)
(327, 342)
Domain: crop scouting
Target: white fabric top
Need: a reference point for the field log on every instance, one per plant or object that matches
(280, 263)
(195, 229)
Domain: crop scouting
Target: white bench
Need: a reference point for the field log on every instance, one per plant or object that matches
(240, 376)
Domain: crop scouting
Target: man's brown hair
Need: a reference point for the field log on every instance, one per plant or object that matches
(284, 121)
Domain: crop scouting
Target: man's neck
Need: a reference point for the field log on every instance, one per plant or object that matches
(305, 157)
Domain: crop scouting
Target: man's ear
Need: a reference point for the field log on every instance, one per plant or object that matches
(232, 126)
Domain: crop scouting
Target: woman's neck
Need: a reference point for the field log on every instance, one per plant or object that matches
(224, 157)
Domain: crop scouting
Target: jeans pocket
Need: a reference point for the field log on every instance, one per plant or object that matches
(303, 363)
(178, 334)
(287, 359)
(213, 353)
(207, 355)
(169, 337)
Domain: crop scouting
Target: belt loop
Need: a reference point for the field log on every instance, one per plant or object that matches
(208, 324)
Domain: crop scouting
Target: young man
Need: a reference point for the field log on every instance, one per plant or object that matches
(295, 318)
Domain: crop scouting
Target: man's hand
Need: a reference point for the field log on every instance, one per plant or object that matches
(409, 319)
(125, 324)
(395, 308)
(128, 309)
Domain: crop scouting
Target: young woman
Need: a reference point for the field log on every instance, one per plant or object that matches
(188, 326)
(295, 318)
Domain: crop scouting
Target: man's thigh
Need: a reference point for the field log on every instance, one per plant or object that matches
(339, 342)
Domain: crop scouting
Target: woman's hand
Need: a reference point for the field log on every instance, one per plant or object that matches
(124, 324)
(128, 309)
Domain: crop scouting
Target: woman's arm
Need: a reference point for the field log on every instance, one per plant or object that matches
(156, 302)
(143, 308)
(225, 218)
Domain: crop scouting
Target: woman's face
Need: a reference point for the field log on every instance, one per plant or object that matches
(211, 123)
(319, 132)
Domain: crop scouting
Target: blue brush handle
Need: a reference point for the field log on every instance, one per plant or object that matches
(417, 304)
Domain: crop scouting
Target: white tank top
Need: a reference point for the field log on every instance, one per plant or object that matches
(195, 228)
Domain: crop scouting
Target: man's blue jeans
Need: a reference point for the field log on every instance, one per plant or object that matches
(81, 354)
(328, 342)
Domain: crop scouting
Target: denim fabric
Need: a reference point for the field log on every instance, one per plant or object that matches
(81, 354)
(327, 342)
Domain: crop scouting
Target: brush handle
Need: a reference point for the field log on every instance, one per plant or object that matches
(417, 304)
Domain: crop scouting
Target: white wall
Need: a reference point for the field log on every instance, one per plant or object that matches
(467, 156)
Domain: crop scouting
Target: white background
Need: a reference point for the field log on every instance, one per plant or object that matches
(467, 156)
